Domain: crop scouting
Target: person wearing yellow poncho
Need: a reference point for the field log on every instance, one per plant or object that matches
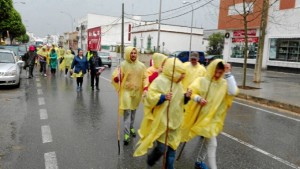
(43, 54)
(61, 59)
(193, 70)
(153, 71)
(154, 124)
(215, 94)
(133, 81)
(67, 62)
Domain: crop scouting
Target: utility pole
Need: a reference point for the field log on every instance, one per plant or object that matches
(262, 35)
(159, 20)
(122, 34)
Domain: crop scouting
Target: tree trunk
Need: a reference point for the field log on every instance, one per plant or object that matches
(246, 44)
(259, 57)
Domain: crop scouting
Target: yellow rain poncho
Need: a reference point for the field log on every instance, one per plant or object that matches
(43, 52)
(158, 60)
(192, 73)
(133, 82)
(68, 59)
(209, 122)
(154, 124)
(61, 55)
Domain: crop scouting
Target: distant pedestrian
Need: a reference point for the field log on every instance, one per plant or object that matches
(53, 61)
(132, 78)
(80, 66)
(42, 53)
(61, 59)
(68, 61)
(212, 97)
(30, 57)
(95, 64)
(72, 51)
(89, 53)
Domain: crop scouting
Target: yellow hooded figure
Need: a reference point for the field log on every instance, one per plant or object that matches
(61, 55)
(133, 81)
(192, 73)
(43, 53)
(210, 121)
(153, 71)
(154, 124)
(68, 59)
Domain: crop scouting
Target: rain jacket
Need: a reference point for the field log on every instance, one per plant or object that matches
(154, 124)
(53, 60)
(68, 59)
(133, 82)
(209, 122)
(43, 54)
(62, 56)
(192, 73)
(81, 65)
(158, 60)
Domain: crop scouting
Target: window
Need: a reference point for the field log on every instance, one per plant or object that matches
(285, 50)
(134, 42)
(239, 8)
(149, 42)
(297, 4)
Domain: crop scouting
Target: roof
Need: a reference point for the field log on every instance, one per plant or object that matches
(6, 51)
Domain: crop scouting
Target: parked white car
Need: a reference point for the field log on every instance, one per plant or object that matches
(10, 68)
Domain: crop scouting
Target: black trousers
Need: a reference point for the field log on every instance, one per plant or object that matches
(31, 67)
(93, 78)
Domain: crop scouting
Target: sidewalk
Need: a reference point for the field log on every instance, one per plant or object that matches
(278, 89)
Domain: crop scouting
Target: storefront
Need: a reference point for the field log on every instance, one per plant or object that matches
(285, 49)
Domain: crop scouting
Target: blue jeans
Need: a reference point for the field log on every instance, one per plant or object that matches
(158, 152)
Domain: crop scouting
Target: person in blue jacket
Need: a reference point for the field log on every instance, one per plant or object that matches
(80, 66)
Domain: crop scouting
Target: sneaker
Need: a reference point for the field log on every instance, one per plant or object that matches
(132, 132)
(97, 88)
(126, 139)
(200, 165)
(45, 75)
(78, 88)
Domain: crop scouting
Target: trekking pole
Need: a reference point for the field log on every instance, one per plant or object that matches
(119, 90)
(168, 110)
(180, 153)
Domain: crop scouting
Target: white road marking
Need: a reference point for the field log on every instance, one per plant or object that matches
(37, 79)
(38, 85)
(262, 151)
(276, 114)
(39, 91)
(105, 79)
(46, 134)
(41, 101)
(50, 160)
(43, 114)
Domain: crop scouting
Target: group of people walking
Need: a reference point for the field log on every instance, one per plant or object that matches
(181, 101)
(56, 58)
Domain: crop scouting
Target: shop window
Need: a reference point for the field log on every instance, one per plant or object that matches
(285, 50)
(149, 39)
(238, 50)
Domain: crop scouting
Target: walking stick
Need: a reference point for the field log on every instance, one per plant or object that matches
(180, 153)
(119, 90)
(168, 110)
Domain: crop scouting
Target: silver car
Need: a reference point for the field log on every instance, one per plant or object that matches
(10, 68)
(105, 58)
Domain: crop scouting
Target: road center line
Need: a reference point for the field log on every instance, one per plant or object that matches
(105, 79)
(41, 101)
(50, 160)
(39, 91)
(46, 134)
(261, 151)
(276, 114)
(38, 85)
(37, 79)
(43, 114)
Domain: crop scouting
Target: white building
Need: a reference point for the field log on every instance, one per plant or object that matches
(110, 30)
(172, 38)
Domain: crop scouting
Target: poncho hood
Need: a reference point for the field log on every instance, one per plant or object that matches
(168, 69)
(211, 69)
(158, 60)
(128, 50)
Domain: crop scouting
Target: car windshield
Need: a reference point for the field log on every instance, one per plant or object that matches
(12, 48)
(22, 49)
(176, 53)
(103, 54)
(6, 57)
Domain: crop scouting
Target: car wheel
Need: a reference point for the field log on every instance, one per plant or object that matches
(18, 85)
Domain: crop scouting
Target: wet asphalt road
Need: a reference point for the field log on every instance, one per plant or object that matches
(83, 131)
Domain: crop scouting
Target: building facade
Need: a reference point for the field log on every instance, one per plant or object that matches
(172, 38)
(281, 46)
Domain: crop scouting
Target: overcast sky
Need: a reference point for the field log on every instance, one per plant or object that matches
(44, 17)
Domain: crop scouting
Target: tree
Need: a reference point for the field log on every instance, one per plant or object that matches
(6, 7)
(216, 43)
(23, 38)
(13, 24)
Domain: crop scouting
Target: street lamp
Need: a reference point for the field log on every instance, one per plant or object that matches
(72, 21)
(158, 32)
(187, 2)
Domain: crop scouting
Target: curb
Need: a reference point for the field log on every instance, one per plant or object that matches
(284, 106)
